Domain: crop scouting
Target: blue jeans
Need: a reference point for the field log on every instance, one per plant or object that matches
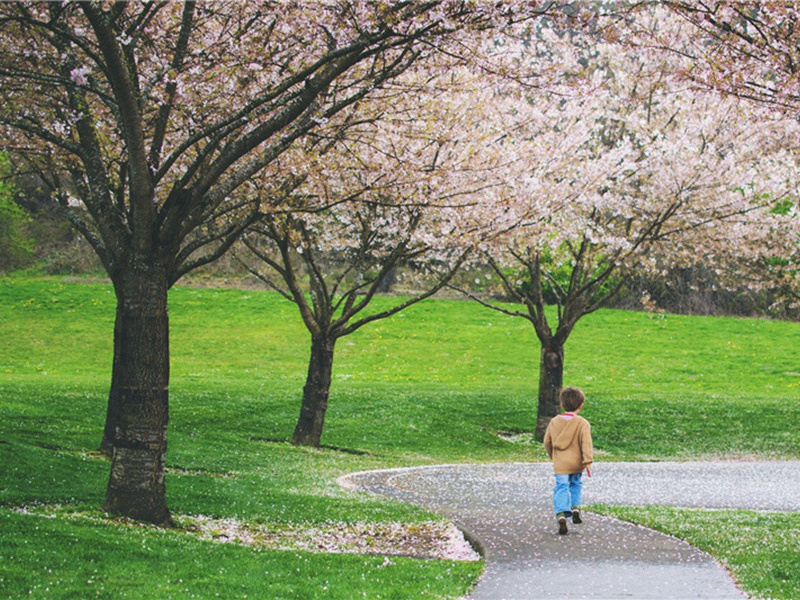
(567, 493)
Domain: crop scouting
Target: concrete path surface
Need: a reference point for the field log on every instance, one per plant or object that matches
(507, 510)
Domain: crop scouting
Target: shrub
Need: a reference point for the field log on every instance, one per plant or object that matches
(16, 247)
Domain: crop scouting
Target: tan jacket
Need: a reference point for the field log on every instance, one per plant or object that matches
(568, 442)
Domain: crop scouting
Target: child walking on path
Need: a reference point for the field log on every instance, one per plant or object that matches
(568, 441)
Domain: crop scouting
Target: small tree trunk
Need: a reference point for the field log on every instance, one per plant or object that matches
(551, 380)
(136, 487)
(388, 281)
(315, 393)
(112, 410)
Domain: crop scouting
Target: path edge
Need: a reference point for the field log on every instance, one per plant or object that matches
(345, 481)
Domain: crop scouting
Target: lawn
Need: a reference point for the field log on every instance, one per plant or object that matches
(435, 384)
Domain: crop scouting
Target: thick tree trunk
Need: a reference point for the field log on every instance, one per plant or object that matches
(107, 443)
(315, 393)
(136, 488)
(551, 380)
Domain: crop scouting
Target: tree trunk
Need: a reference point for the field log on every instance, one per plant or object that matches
(551, 380)
(136, 487)
(385, 284)
(107, 443)
(315, 393)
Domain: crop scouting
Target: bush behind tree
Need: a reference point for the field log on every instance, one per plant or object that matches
(16, 247)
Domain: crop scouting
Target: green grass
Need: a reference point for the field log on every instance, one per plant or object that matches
(761, 549)
(146, 563)
(433, 385)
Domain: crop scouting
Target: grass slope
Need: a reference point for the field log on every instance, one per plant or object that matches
(434, 384)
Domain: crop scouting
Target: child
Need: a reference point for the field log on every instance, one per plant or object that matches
(568, 441)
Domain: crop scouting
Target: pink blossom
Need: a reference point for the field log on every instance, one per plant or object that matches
(79, 75)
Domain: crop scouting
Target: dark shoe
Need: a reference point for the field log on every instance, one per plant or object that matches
(576, 516)
(562, 525)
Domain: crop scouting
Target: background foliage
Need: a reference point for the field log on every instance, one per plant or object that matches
(16, 246)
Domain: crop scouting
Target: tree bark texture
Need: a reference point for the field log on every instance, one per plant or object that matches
(551, 380)
(315, 393)
(136, 487)
(107, 443)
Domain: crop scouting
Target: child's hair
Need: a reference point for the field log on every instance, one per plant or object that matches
(571, 398)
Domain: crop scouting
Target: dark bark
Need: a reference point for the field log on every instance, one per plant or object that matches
(107, 443)
(551, 380)
(136, 487)
(315, 393)
(388, 280)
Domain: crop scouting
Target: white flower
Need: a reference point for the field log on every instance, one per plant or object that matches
(78, 76)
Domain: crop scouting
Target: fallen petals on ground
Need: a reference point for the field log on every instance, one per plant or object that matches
(421, 540)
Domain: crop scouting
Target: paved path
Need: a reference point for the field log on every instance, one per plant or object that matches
(506, 508)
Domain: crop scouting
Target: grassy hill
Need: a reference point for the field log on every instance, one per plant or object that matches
(446, 381)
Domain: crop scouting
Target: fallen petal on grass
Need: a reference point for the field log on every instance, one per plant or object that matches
(419, 540)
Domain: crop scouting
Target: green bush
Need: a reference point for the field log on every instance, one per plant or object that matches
(16, 247)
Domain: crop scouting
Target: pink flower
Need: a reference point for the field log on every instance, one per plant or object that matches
(78, 76)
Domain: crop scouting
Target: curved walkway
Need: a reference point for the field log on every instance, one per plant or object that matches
(506, 509)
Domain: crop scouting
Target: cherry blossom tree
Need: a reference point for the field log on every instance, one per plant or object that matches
(748, 51)
(149, 120)
(333, 284)
(394, 191)
(744, 49)
(635, 165)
